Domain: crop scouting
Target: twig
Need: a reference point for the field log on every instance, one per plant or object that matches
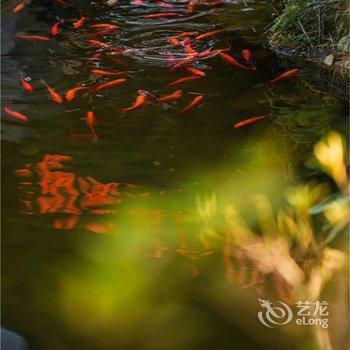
(305, 33)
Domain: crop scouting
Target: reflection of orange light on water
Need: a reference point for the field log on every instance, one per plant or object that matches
(58, 194)
(64, 193)
(66, 223)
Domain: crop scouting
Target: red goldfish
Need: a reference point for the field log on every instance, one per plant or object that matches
(15, 115)
(173, 97)
(71, 94)
(183, 80)
(53, 94)
(140, 101)
(108, 85)
(283, 76)
(79, 23)
(232, 61)
(26, 85)
(249, 121)
(107, 72)
(195, 102)
(209, 34)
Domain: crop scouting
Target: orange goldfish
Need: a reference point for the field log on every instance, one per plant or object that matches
(98, 43)
(184, 34)
(246, 54)
(55, 29)
(195, 102)
(232, 61)
(209, 34)
(283, 76)
(164, 4)
(249, 121)
(103, 32)
(173, 41)
(104, 26)
(191, 52)
(53, 94)
(95, 57)
(108, 85)
(71, 94)
(19, 6)
(15, 115)
(208, 53)
(191, 6)
(182, 63)
(163, 15)
(79, 23)
(183, 80)
(186, 41)
(26, 85)
(173, 97)
(196, 71)
(91, 122)
(107, 72)
(140, 101)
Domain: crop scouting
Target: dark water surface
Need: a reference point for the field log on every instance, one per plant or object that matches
(68, 281)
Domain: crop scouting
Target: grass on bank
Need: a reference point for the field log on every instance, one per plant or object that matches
(312, 27)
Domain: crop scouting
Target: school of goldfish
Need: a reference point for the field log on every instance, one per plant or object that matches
(189, 62)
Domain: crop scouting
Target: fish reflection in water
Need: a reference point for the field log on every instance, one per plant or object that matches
(64, 192)
(46, 188)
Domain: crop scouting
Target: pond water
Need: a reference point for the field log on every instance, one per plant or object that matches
(73, 205)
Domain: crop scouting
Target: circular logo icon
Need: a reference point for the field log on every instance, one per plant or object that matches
(274, 315)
